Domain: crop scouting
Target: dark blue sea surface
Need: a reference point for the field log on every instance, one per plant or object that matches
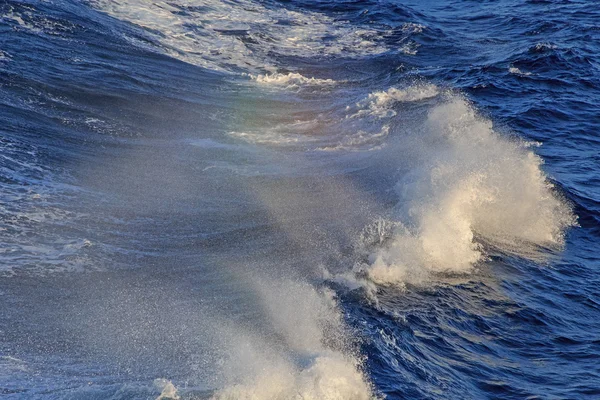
(316, 200)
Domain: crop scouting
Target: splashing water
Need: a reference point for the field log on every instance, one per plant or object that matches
(467, 185)
(168, 391)
(307, 355)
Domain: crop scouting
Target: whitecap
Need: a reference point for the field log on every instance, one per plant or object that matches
(467, 186)
(517, 71)
(290, 80)
(380, 104)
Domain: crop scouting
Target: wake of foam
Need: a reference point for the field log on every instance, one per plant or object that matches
(226, 36)
(466, 185)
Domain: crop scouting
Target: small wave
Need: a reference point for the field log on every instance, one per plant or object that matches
(411, 27)
(539, 47)
(379, 104)
(517, 71)
(290, 80)
(4, 56)
(410, 49)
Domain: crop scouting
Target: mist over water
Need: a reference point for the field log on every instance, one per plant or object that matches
(298, 200)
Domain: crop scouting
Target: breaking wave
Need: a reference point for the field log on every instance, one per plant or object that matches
(326, 378)
(467, 187)
(308, 355)
(379, 104)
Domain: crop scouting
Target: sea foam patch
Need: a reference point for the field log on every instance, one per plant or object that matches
(229, 36)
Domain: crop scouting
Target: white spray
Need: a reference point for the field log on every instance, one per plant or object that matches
(466, 184)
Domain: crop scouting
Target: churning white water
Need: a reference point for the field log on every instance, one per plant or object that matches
(466, 185)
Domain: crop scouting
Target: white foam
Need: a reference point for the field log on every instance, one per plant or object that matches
(25, 19)
(18, 19)
(517, 71)
(410, 48)
(379, 104)
(290, 80)
(467, 185)
(168, 391)
(411, 27)
(545, 46)
(303, 362)
(328, 377)
(214, 34)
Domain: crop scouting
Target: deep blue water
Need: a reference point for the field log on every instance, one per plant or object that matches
(299, 199)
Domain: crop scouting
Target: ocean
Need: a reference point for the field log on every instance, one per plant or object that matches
(299, 200)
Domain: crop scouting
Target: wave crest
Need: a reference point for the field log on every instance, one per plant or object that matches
(379, 104)
(468, 185)
(290, 80)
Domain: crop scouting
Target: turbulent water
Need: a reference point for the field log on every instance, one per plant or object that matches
(310, 200)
